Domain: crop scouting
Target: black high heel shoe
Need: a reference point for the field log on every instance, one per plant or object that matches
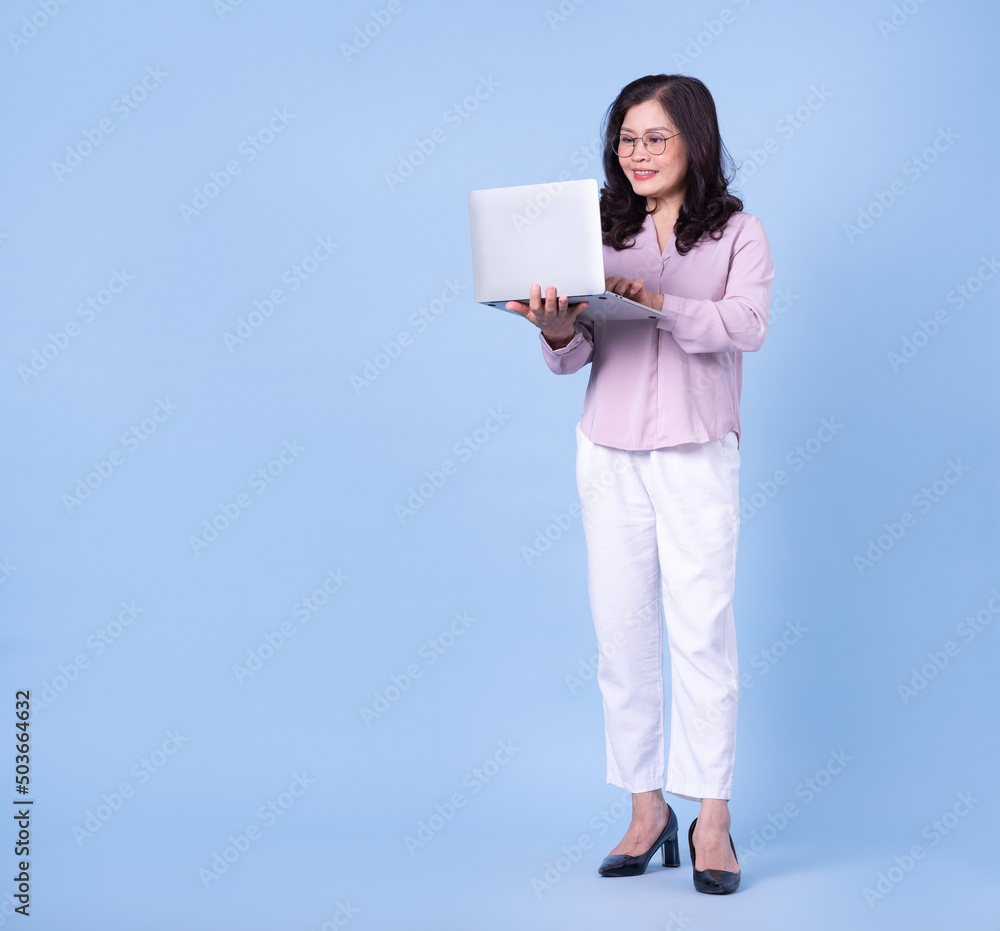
(719, 882)
(625, 865)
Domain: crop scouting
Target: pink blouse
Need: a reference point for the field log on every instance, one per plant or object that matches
(675, 380)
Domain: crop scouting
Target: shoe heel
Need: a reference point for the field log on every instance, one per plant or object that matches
(671, 852)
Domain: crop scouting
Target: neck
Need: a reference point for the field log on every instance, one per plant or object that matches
(665, 210)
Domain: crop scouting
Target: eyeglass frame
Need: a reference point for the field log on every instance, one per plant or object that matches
(642, 139)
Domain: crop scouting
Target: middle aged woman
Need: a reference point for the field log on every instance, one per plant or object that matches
(661, 414)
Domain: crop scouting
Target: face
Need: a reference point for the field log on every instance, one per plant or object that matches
(654, 176)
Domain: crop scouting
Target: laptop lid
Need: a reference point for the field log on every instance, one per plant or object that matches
(545, 233)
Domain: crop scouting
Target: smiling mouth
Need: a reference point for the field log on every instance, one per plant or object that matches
(638, 172)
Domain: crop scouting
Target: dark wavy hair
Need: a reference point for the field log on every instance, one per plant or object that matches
(707, 204)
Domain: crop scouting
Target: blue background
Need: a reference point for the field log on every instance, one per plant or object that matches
(511, 837)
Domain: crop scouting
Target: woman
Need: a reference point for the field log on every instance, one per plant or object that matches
(661, 413)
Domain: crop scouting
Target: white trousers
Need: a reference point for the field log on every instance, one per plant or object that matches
(661, 528)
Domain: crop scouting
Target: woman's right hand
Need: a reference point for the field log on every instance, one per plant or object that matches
(553, 315)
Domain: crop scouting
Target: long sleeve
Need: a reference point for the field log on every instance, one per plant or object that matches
(738, 322)
(573, 356)
(677, 379)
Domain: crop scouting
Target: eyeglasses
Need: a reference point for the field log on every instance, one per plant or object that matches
(654, 143)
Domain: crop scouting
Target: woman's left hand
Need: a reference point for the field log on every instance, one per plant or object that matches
(634, 291)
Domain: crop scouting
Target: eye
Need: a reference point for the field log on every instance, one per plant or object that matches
(656, 139)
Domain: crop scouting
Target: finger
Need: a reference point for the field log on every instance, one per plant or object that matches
(535, 300)
(551, 300)
(636, 287)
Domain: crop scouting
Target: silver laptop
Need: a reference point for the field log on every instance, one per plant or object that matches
(549, 234)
